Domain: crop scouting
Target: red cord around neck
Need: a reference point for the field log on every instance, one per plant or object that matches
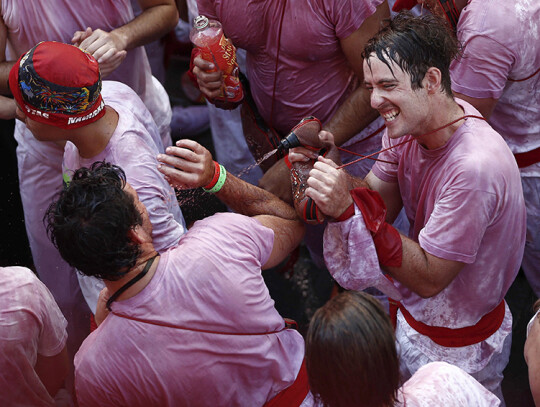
(371, 156)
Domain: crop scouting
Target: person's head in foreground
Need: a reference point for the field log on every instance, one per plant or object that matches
(407, 71)
(351, 356)
(532, 353)
(56, 87)
(96, 220)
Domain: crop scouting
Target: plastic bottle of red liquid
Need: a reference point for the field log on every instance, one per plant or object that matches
(208, 36)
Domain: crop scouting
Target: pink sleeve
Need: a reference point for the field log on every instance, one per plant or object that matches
(483, 70)
(450, 232)
(351, 257)
(442, 384)
(52, 324)
(242, 237)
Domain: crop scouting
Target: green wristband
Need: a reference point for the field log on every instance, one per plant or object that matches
(220, 182)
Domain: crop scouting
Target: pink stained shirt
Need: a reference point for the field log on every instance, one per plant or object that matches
(502, 41)
(313, 77)
(30, 324)
(211, 281)
(133, 147)
(465, 203)
(443, 384)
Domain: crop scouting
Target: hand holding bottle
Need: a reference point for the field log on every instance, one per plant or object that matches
(214, 64)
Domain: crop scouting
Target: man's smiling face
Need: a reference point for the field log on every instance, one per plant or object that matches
(403, 108)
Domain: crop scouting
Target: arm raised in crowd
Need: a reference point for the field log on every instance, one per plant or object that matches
(356, 112)
(109, 48)
(190, 165)
(5, 66)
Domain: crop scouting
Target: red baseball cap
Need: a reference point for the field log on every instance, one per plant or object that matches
(58, 84)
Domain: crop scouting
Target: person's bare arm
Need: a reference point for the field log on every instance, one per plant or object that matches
(52, 370)
(190, 165)
(287, 235)
(356, 112)
(157, 18)
(5, 66)
(484, 105)
(7, 108)
(421, 272)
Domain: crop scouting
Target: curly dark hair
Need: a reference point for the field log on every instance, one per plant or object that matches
(90, 221)
(351, 355)
(416, 44)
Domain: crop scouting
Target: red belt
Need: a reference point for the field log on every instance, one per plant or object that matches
(528, 158)
(293, 395)
(454, 338)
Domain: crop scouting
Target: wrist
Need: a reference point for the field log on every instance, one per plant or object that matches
(346, 214)
(218, 180)
(120, 39)
(215, 177)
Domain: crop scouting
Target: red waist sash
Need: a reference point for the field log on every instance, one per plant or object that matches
(458, 337)
(293, 395)
(528, 158)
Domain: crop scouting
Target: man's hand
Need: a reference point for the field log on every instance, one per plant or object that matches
(329, 187)
(189, 165)
(209, 79)
(107, 48)
(277, 180)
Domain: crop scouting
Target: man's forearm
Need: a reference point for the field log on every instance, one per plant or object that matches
(250, 200)
(351, 117)
(5, 67)
(422, 272)
(153, 23)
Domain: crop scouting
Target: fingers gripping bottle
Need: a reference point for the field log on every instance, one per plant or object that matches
(208, 36)
(306, 133)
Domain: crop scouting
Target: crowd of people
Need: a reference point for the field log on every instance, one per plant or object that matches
(424, 204)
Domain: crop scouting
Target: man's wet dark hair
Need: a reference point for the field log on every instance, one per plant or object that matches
(351, 355)
(416, 44)
(90, 221)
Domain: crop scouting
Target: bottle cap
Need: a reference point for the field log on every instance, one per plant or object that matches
(200, 22)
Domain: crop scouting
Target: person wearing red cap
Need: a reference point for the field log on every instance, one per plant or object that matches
(449, 277)
(59, 97)
(22, 26)
(499, 74)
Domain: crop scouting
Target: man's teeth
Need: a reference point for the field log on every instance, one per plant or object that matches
(390, 115)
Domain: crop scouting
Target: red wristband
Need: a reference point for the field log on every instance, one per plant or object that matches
(215, 179)
(348, 213)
